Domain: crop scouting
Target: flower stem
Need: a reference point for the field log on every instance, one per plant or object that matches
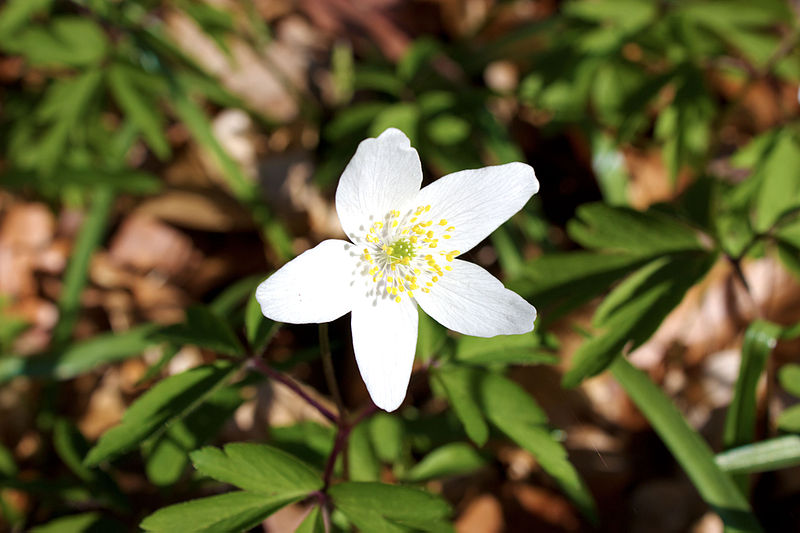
(327, 366)
(265, 369)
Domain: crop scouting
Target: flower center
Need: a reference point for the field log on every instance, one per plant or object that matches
(402, 252)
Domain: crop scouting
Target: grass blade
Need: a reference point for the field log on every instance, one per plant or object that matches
(689, 449)
(772, 454)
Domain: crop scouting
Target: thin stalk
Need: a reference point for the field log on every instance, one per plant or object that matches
(261, 366)
(89, 237)
(327, 366)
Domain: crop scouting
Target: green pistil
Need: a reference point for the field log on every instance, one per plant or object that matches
(402, 248)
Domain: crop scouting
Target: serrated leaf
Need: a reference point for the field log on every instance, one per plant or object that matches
(365, 505)
(772, 454)
(140, 107)
(561, 282)
(258, 468)
(80, 357)
(462, 385)
(234, 511)
(620, 229)
(454, 459)
(637, 308)
(166, 402)
(204, 329)
(66, 40)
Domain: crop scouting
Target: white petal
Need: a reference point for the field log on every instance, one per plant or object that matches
(316, 286)
(477, 201)
(471, 301)
(384, 341)
(384, 174)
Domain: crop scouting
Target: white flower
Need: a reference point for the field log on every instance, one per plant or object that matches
(403, 252)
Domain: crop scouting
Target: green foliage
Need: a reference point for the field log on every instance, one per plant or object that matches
(170, 400)
(365, 504)
(234, 511)
(257, 468)
(690, 450)
(81, 357)
(789, 377)
(204, 329)
(770, 454)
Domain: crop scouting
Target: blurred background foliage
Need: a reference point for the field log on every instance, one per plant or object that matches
(160, 157)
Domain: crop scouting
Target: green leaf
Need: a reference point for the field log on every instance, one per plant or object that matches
(387, 434)
(431, 337)
(454, 459)
(16, 14)
(620, 229)
(62, 111)
(503, 349)
(789, 378)
(89, 179)
(635, 309)
(8, 468)
(789, 420)
(448, 129)
(258, 328)
(509, 408)
(362, 462)
(309, 441)
(244, 189)
(169, 400)
(772, 454)
(67, 40)
(81, 357)
(461, 385)
(560, 282)
(258, 468)
(77, 523)
(780, 182)
(629, 15)
(402, 115)
(168, 456)
(77, 273)
(72, 448)
(204, 329)
(234, 511)
(689, 449)
(312, 523)
(139, 107)
(365, 504)
(740, 421)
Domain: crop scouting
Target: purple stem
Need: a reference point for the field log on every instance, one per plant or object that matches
(265, 369)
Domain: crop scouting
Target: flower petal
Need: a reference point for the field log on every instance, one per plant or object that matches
(471, 301)
(475, 202)
(316, 286)
(384, 341)
(384, 174)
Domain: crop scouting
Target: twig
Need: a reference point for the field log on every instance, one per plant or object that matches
(261, 366)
